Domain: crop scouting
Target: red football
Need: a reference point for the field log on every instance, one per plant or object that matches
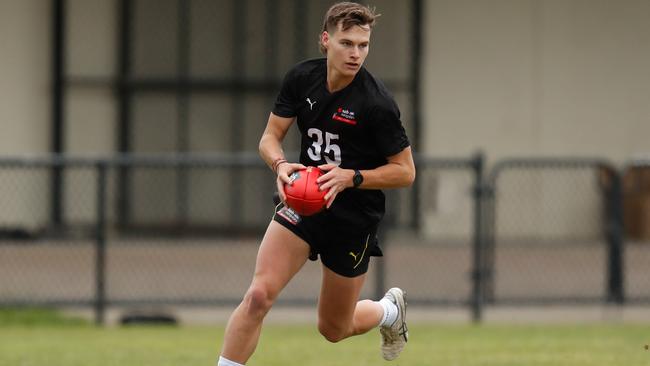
(303, 196)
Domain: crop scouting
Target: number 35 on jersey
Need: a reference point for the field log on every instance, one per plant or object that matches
(324, 148)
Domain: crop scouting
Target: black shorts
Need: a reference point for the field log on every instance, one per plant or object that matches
(344, 248)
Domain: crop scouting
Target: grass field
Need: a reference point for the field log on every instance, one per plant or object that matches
(40, 338)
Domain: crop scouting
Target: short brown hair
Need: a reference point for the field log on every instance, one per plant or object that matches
(349, 14)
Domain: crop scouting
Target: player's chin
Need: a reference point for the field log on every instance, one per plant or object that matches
(350, 70)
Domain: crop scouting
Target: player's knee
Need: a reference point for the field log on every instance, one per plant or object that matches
(332, 333)
(258, 301)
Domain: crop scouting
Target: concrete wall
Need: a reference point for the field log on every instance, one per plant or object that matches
(24, 76)
(24, 104)
(526, 77)
(512, 77)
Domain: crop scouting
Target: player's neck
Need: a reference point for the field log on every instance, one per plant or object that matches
(336, 81)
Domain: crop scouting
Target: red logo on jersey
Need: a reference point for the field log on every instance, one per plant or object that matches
(345, 116)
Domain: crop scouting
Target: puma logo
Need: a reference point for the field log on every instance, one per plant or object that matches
(311, 104)
(358, 262)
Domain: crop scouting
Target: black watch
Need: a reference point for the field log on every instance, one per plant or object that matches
(357, 179)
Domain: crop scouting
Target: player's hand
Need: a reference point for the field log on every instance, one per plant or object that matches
(334, 181)
(284, 173)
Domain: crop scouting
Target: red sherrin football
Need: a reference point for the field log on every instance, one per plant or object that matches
(303, 196)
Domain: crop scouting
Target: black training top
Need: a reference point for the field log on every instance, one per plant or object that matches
(356, 127)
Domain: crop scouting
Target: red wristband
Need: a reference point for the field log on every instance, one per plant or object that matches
(276, 164)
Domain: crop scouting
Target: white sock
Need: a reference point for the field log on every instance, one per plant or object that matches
(390, 312)
(226, 362)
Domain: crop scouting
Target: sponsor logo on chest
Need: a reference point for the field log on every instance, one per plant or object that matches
(345, 116)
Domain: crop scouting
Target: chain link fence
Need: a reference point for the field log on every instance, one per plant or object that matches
(432, 255)
(549, 231)
(40, 264)
(179, 237)
(537, 231)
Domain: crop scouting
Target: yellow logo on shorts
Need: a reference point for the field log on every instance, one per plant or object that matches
(354, 255)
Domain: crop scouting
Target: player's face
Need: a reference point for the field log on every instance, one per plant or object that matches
(347, 49)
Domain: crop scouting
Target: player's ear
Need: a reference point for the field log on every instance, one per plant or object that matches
(325, 39)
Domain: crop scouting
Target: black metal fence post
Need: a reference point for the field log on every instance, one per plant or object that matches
(124, 95)
(100, 237)
(183, 114)
(58, 108)
(615, 233)
(416, 92)
(477, 272)
(489, 238)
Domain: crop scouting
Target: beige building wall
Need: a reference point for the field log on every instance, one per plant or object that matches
(527, 77)
(536, 78)
(511, 77)
(24, 76)
(24, 104)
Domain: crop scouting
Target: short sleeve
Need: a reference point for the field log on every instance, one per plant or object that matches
(286, 102)
(387, 130)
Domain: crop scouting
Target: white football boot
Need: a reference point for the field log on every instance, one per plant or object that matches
(395, 336)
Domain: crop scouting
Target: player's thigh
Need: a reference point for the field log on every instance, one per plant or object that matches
(281, 255)
(338, 297)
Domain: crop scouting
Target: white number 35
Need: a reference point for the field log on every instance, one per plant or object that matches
(332, 152)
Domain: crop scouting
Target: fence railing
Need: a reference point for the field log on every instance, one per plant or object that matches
(136, 230)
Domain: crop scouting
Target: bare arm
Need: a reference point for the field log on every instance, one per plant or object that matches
(271, 142)
(270, 149)
(399, 171)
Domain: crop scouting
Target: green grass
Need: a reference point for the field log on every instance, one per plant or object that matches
(27, 344)
(36, 317)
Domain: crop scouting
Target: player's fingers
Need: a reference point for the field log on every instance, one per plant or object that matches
(296, 166)
(326, 177)
(327, 167)
(284, 178)
(325, 186)
(330, 200)
(328, 180)
(286, 169)
(332, 191)
(286, 173)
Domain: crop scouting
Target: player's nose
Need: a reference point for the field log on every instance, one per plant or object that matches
(355, 52)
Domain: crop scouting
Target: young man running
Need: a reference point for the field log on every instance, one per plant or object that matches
(350, 127)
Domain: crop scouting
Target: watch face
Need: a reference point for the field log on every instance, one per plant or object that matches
(358, 179)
